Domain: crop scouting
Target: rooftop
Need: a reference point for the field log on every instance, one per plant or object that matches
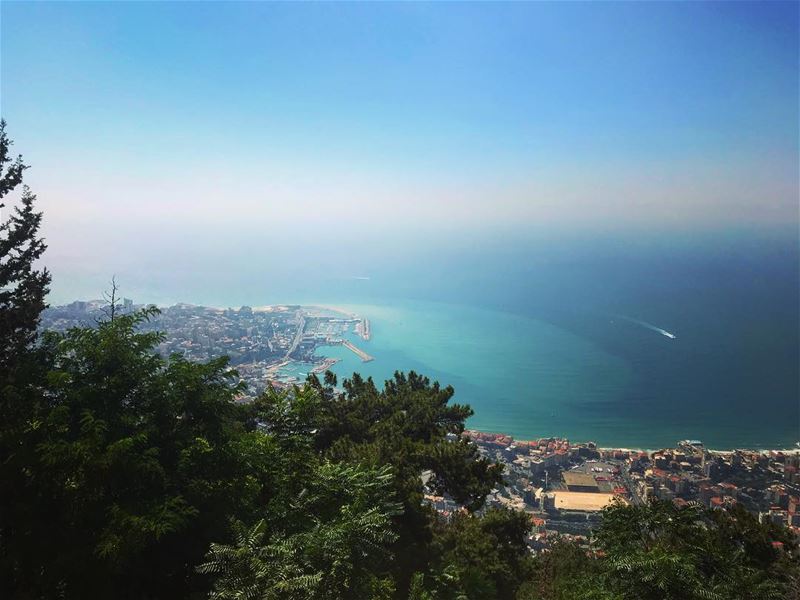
(585, 501)
(575, 479)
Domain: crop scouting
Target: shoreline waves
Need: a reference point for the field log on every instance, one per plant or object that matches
(513, 440)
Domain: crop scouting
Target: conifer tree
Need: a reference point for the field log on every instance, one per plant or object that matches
(22, 287)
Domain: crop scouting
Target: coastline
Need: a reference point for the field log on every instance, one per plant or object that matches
(401, 331)
(513, 440)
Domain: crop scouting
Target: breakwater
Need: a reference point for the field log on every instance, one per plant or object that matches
(358, 352)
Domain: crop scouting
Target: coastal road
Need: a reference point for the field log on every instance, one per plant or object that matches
(297, 337)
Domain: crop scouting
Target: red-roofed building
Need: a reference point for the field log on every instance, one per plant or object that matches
(538, 525)
(729, 489)
(659, 473)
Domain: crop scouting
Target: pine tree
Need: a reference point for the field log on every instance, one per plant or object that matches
(22, 287)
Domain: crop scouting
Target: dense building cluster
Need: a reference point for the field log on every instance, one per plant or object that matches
(267, 345)
(564, 486)
(765, 483)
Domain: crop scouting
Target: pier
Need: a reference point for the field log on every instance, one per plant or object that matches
(324, 365)
(360, 353)
(363, 330)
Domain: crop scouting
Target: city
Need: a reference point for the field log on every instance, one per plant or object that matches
(274, 345)
(423, 300)
(562, 485)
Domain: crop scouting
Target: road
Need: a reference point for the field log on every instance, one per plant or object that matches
(623, 473)
(297, 338)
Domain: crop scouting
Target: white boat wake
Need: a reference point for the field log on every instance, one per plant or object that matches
(649, 326)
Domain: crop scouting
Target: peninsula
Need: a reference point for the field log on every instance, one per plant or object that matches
(275, 345)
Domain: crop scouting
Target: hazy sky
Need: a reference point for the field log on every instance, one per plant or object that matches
(212, 122)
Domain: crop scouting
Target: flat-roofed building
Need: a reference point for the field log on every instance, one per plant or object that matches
(580, 501)
(580, 482)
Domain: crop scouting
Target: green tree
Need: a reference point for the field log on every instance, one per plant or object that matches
(22, 292)
(661, 552)
(564, 572)
(129, 467)
(22, 287)
(345, 528)
(479, 557)
(411, 425)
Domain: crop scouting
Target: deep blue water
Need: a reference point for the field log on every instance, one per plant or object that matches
(730, 377)
(539, 336)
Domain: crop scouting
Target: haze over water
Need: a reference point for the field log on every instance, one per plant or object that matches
(522, 197)
(533, 336)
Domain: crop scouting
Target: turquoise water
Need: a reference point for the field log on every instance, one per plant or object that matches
(521, 376)
(297, 370)
(551, 337)
(594, 375)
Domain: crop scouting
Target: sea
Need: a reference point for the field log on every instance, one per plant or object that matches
(636, 342)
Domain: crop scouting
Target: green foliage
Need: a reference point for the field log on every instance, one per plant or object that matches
(564, 572)
(136, 476)
(479, 557)
(22, 287)
(122, 454)
(406, 425)
(332, 554)
(661, 552)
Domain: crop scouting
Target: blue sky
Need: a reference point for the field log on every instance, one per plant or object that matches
(403, 117)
